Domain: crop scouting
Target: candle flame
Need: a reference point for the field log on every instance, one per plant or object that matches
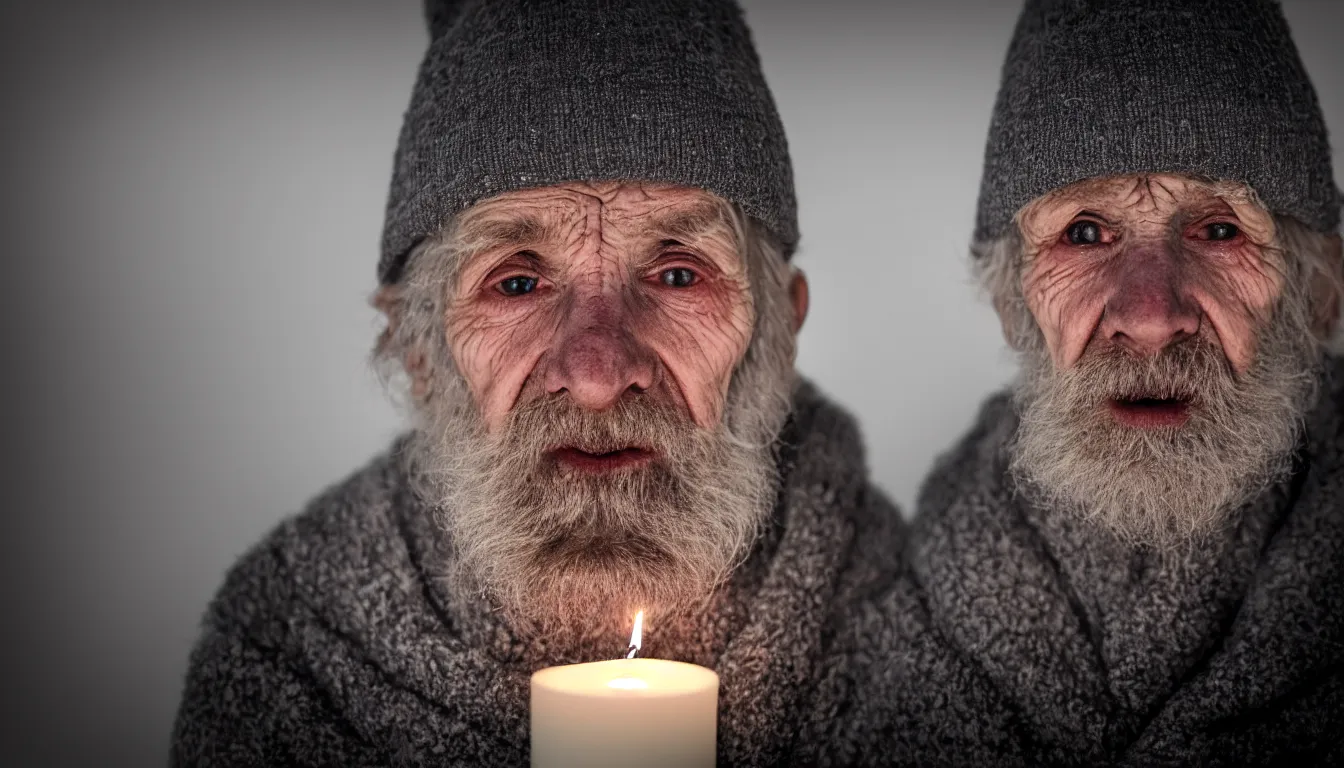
(636, 636)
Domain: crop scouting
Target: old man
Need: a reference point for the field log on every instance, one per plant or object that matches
(585, 272)
(1136, 557)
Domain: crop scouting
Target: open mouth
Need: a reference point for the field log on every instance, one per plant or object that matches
(1151, 412)
(598, 463)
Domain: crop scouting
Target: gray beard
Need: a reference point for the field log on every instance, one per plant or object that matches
(1164, 487)
(560, 551)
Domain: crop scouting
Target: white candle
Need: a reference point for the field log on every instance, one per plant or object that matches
(645, 712)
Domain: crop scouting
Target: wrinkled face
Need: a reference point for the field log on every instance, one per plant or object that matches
(596, 291)
(620, 360)
(1141, 263)
(1168, 383)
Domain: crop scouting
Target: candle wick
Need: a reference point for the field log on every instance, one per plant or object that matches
(636, 636)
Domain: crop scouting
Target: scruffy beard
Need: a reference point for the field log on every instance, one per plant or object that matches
(1165, 486)
(564, 552)
(552, 544)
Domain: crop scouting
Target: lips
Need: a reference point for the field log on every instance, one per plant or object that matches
(616, 460)
(1151, 412)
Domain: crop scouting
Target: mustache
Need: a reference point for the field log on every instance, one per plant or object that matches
(649, 422)
(1193, 370)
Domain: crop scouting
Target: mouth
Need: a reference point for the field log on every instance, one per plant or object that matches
(1151, 412)
(631, 457)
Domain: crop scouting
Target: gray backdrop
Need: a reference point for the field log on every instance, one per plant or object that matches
(193, 197)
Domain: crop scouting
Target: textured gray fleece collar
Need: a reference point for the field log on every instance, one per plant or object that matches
(1017, 638)
(1107, 651)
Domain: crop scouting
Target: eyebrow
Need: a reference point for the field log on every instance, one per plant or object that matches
(514, 230)
(688, 224)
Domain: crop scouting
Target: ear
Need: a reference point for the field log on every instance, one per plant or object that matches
(1325, 290)
(389, 301)
(798, 296)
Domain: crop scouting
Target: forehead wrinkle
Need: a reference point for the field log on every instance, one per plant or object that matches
(1158, 187)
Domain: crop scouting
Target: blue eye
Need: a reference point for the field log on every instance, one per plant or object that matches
(517, 286)
(678, 277)
(1221, 230)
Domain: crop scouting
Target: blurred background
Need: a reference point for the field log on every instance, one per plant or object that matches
(193, 194)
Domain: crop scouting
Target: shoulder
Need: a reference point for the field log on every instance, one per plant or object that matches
(343, 544)
(881, 535)
(824, 432)
(832, 461)
(266, 678)
(1326, 424)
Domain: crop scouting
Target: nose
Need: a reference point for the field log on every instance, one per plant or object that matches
(598, 363)
(1149, 309)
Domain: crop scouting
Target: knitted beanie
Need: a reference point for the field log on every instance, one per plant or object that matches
(1208, 88)
(515, 94)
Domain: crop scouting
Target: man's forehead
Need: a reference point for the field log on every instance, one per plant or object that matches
(535, 215)
(1143, 193)
(614, 198)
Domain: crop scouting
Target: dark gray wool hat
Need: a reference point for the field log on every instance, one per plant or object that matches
(525, 93)
(1211, 88)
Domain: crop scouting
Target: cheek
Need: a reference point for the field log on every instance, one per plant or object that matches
(700, 335)
(496, 344)
(1065, 296)
(1237, 293)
